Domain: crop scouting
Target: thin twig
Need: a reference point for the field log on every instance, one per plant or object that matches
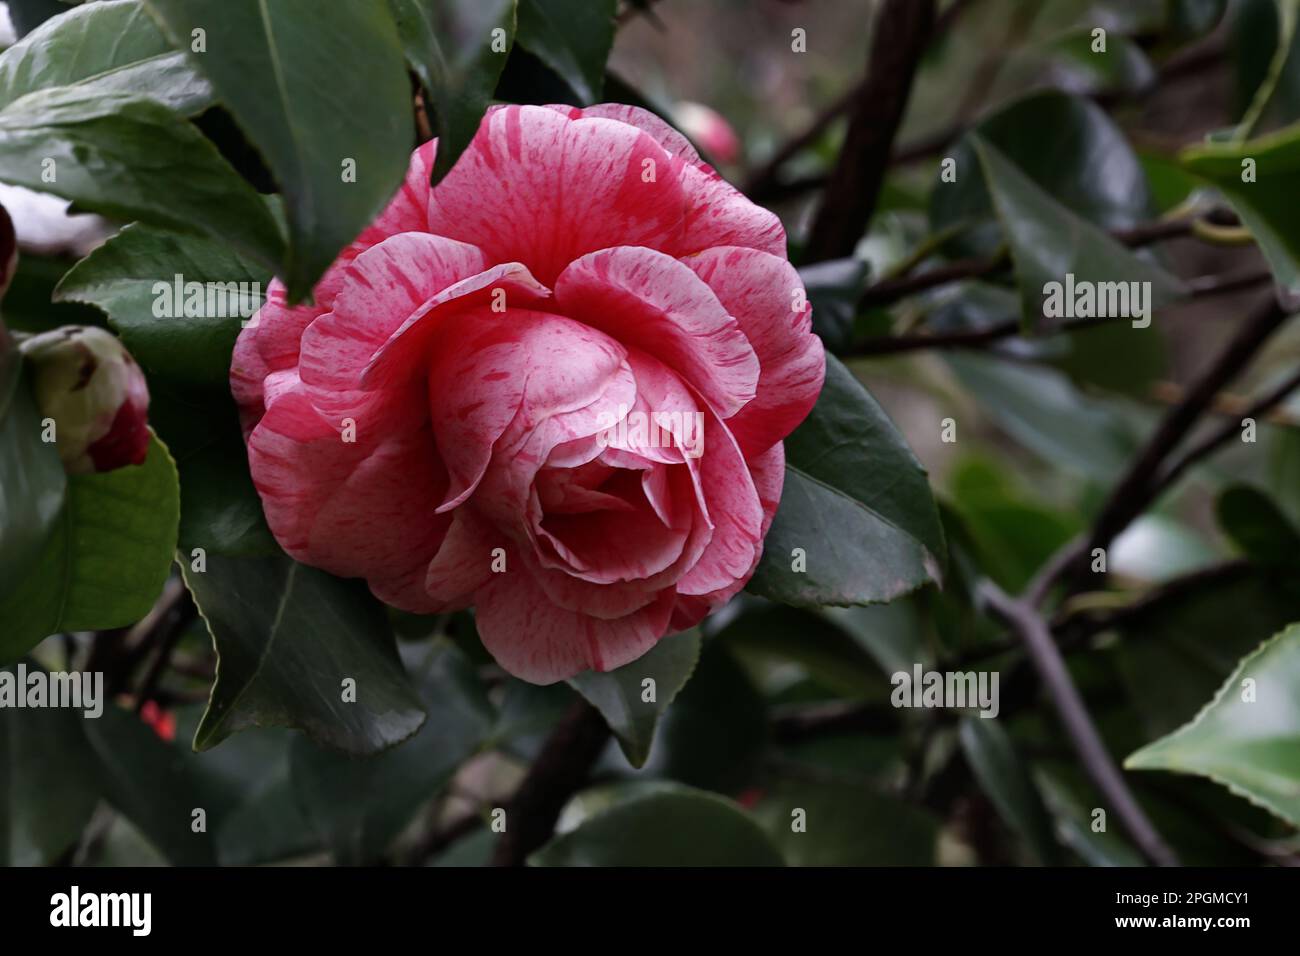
(558, 772)
(1225, 432)
(1102, 770)
(1203, 287)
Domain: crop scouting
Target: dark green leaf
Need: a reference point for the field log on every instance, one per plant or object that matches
(1267, 205)
(833, 291)
(714, 734)
(619, 694)
(292, 77)
(1043, 411)
(130, 158)
(50, 786)
(1005, 778)
(358, 806)
(143, 271)
(458, 49)
(668, 826)
(1121, 68)
(856, 501)
(846, 826)
(787, 635)
(104, 47)
(151, 784)
(288, 636)
(572, 37)
(1169, 640)
(1258, 526)
(1048, 242)
(106, 560)
(1067, 146)
(1247, 737)
(32, 483)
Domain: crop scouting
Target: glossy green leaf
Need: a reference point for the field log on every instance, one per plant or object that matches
(1067, 146)
(1258, 526)
(833, 289)
(715, 733)
(1248, 736)
(856, 501)
(458, 49)
(50, 785)
(1121, 68)
(288, 637)
(572, 37)
(1074, 824)
(130, 158)
(1011, 531)
(110, 46)
(1049, 242)
(620, 695)
(1044, 412)
(1266, 205)
(106, 559)
(832, 824)
(668, 826)
(359, 806)
(1169, 640)
(253, 815)
(32, 483)
(152, 784)
(783, 635)
(292, 78)
(204, 289)
(1003, 775)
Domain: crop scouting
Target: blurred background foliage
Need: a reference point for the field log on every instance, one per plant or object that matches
(775, 709)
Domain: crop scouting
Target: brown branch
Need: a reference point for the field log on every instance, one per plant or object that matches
(1030, 627)
(1140, 484)
(1225, 433)
(900, 37)
(978, 338)
(888, 291)
(767, 185)
(558, 772)
(178, 612)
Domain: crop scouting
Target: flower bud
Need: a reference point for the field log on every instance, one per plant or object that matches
(87, 382)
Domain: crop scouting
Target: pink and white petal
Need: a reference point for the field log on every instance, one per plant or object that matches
(541, 643)
(766, 296)
(768, 471)
(247, 372)
(354, 509)
(718, 214)
(465, 559)
(673, 142)
(383, 287)
(406, 350)
(519, 386)
(651, 301)
(733, 503)
(538, 188)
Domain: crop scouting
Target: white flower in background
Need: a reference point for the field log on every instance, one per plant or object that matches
(44, 227)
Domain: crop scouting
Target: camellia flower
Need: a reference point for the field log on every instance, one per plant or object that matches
(86, 381)
(439, 421)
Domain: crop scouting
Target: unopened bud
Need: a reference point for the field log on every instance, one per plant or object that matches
(87, 382)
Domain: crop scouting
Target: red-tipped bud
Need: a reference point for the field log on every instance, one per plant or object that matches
(87, 382)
